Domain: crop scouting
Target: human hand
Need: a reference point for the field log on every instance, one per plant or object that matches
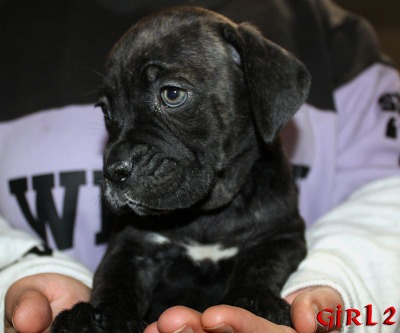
(32, 303)
(306, 304)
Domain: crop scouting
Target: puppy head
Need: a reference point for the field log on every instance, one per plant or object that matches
(182, 93)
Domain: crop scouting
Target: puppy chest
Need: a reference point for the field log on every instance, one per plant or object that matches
(196, 275)
(194, 283)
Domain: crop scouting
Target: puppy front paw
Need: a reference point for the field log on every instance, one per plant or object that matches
(80, 318)
(84, 318)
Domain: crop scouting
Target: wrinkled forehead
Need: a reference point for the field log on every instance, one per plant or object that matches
(185, 40)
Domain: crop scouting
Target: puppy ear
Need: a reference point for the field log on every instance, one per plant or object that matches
(278, 83)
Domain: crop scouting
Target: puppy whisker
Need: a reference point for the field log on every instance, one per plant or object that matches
(91, 70)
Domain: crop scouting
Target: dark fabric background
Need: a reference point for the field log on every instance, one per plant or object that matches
(385, 17)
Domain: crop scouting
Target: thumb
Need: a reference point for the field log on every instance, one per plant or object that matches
(307, 303)
(30, 312)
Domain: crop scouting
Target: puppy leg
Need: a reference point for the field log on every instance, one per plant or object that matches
(260, 274)
(122, 290)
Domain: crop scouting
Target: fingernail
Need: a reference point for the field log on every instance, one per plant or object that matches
(184, 329)
(12, 316)
(319, 328)
(220, 329)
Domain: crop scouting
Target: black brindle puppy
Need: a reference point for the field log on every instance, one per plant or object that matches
(193, 104)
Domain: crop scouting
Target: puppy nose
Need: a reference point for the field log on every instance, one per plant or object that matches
(118, 171)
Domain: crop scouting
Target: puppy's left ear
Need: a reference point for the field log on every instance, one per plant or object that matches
(278, 83)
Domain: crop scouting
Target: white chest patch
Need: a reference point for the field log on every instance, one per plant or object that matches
(157, 238)
(197, 252)
(215, 253)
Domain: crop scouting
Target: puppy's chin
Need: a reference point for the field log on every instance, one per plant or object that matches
(121, 203)
(141, 209)
(130, 197)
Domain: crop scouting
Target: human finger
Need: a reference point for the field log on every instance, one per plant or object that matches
(229, 319)
(306, 306)
(178, 319)
(29, 312)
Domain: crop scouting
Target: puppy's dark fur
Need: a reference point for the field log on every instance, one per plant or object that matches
(193, 104)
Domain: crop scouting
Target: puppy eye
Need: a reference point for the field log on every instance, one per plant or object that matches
(173, 96)
(105, 109)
